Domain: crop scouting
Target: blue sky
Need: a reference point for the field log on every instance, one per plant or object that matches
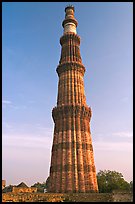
(30, 55)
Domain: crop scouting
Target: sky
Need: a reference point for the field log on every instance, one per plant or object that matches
(30, 55)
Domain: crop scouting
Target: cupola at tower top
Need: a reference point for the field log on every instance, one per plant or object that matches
(70, 23)
(69, 7)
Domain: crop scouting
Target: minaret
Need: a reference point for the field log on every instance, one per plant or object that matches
(72, 161)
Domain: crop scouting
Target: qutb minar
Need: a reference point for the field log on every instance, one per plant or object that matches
(72, 161)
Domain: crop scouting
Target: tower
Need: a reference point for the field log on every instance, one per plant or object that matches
(72, 161)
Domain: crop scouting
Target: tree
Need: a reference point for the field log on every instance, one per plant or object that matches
(47, 183)
(40, 186)
(8, 189)
(111, 180)
(131, 185)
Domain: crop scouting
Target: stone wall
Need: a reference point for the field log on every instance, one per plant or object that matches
(24, 190)
(77, 197)
(122, 197)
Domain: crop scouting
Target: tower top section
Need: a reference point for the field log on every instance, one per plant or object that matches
(70, 23)
(70, 7)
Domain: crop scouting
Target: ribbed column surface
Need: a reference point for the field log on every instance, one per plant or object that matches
(72, 166)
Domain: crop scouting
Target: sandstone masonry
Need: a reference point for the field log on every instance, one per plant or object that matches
(72, 166)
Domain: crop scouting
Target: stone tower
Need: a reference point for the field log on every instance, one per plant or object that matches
(72, 162)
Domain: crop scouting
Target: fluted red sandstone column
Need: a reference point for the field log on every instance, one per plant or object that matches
(72, 161)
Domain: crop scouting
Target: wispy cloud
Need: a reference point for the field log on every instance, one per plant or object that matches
(7, 125)
(44, 129)
(18, 107)
(27, 141)
(6, 102)
(18, 129)
(113, 146)
(123, 134)
(11, 105)
(118, 136)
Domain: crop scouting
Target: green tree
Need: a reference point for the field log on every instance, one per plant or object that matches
(40, 186)
(47, 183)
(111, 180)
(8, 189)
(131, 185)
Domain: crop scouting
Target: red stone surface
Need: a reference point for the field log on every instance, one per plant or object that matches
(72, 161)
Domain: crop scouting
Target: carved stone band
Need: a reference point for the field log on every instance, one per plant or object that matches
(69, 145)
(66, 37)
(69, 167)
(71, 111)
(70, 66)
